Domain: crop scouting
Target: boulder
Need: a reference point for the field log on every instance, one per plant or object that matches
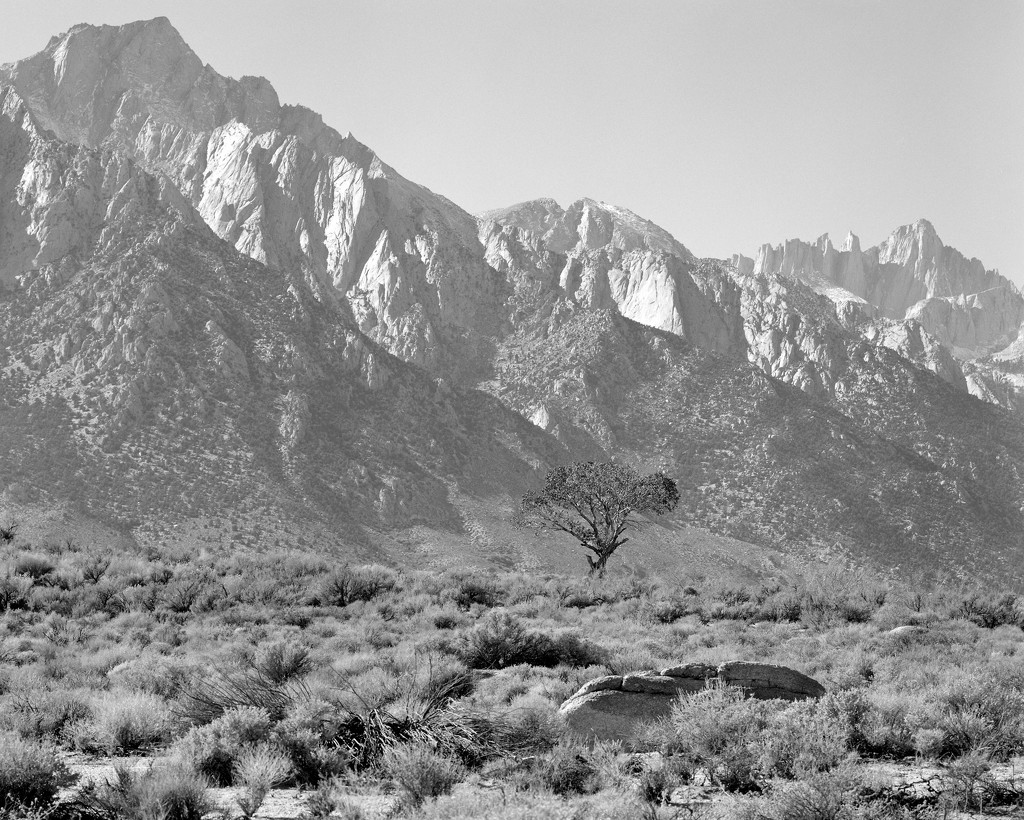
(766, 681)
(616, 707)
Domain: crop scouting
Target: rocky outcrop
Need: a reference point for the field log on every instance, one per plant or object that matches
(588, 225)
(911, 275)
(615, 707)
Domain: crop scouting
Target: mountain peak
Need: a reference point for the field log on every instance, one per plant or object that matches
(90, 78)
(589, 223)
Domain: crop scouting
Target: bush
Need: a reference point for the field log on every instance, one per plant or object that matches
(170, 792)
(258, 769)
(123, 722)
(803, 738)
(204, 700)
(420, 772)
(31, 774)
(832, 796)
(565, 771)
(14, 592)
(470, 591)
(46, 714)
(281, 662)
(350, 584)
(214, 750)
(501, 641)
(36, 567)
(990, 610)
(877, 723)
(720, 730)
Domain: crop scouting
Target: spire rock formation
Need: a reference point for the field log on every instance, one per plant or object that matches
(223, 319)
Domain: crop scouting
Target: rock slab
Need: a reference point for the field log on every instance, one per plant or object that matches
(615, 707)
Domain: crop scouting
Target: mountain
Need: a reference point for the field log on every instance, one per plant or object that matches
(917, 293)
(226, 323)
(154, 376)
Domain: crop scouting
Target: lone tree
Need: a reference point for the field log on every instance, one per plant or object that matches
(595, 504)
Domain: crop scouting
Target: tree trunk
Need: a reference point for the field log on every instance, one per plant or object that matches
(597, 564)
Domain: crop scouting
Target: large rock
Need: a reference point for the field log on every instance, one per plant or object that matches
(616, 707)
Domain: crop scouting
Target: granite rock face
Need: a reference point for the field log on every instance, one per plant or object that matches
(911, 275)
(616, 707)
(274, 181)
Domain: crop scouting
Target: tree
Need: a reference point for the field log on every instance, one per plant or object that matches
(595, 504)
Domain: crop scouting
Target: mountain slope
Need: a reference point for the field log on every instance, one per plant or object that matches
(222, 318)
(156, 376)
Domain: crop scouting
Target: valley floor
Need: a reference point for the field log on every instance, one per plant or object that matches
(181, 684)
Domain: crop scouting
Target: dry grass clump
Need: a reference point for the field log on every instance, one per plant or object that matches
(419, 771)
(121, 723)
(258, 769)
(168, 792)
(31, 774)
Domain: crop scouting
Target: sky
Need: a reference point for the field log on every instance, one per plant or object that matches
(730, 123)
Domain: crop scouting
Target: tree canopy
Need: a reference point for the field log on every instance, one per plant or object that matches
(595, 503)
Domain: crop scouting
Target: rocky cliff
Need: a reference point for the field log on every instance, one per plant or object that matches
(911, 275)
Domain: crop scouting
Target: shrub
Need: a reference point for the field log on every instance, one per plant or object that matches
(213, 750)
(719, 729)
(123, 722)
(183, 593)
(981, 716)
(470, 591)
(329, 801)
(258, 769)
(206, 699)
(46, 714)
(34, 566)
(280, 662)
(14, 592)
(155, 674)
(501, 641)
(803, 738)
(31, 774)
(565, 771)
(831, 796)
(350, 584)
(169, 792)
(419, 771)
(877, 723)
(990, 610)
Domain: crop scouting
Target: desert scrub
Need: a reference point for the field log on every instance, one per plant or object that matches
(803, 738)
(257, 769)
(280, 662)
(824, 796)
(502, 641)
(31, 774)
(124, 722)
(214, 749)
(203, 700)
(45, 714)
(168, 792)
(566, 770)
(348, 584)
(718, 730)
(418, 771)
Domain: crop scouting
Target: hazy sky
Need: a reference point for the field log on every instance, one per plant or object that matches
(728, 122)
